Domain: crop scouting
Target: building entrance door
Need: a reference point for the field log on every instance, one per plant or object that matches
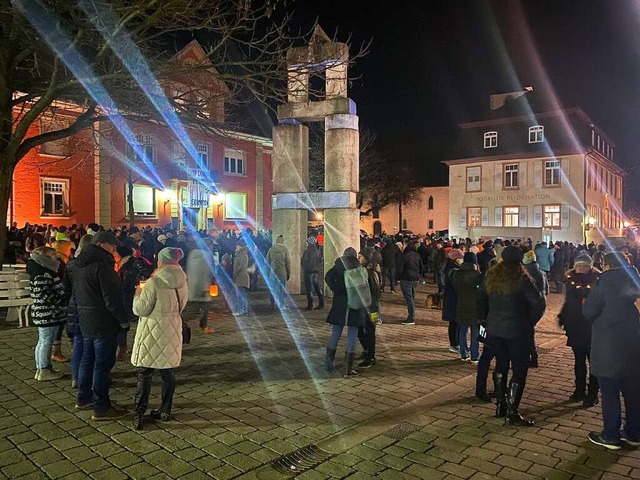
(190, 218)
(377, 228)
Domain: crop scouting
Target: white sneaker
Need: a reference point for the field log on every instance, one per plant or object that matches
(465, 359)
(454, 349)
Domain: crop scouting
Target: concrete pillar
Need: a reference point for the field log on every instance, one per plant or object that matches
(298, 85)
(290, 162)
(102, 184)
(336, 80)
(342, 153)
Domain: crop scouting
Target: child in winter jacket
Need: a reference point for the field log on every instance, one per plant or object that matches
(48, 311)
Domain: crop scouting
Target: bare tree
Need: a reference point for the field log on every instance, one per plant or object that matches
(55, 52)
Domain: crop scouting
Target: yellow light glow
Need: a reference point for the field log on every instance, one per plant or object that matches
(318, 216)
(591, 221)
(626, 224)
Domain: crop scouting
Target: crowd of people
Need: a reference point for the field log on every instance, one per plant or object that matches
(492, 294)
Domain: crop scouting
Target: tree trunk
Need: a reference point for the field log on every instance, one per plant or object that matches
(6, 180)
(400, 228)
(132, 213)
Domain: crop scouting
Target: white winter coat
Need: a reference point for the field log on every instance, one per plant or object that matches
(158, 341)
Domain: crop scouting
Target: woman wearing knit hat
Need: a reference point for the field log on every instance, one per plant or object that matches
(579, 283)
(511, 305)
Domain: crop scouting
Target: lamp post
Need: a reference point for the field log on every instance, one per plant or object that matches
(165, 197)
(588, 223)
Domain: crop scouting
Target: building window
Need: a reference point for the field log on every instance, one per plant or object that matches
(203, 155)
(404, 224)
(54, 197)
(511, 216)
(490, 139)
(618, 187)
(511, 176)
(234, 162)
(179, 155)
(235, 206)
(552, 172)
(551, 216)
(430, 203)
(143, 151)
(474, 182)
(474, 216)
(430, 224)
(144, 200)
(536, 134)
(375, 212)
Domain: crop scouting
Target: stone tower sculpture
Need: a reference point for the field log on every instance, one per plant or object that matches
(291, 155)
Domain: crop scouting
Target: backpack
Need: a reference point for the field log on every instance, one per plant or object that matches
(356, 280)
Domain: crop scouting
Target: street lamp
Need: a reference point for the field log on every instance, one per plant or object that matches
(626, 224)
(165, 197)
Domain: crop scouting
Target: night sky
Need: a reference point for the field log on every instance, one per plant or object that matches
(433, 64)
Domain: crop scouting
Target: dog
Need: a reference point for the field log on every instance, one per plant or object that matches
(433, 301)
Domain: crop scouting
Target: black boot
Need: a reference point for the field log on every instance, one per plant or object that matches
(533, 361)
(309, 304)
(513, 403)
(579, 393)
(500, 388)
(591, 399)
(328, 360)
(137, 421)
(349, 371)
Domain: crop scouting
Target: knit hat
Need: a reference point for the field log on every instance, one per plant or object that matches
(366, 253)
(583, 258)
(312, 240)
(350, 252)
(474, 249)
(512, 255)
(470, 257)
(105, 237)
(162, 239)
(488, 245)
(455, 254)
(169, 255)
(529, 257)
(124, 251)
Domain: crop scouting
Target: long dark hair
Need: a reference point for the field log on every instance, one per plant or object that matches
(505, 278)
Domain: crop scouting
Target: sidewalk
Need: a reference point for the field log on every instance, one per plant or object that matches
(254, 391)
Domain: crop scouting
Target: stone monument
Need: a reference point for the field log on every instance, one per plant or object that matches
(291, 155)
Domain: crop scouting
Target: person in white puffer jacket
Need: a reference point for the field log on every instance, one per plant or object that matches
(158, 340)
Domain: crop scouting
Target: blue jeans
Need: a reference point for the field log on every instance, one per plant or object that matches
(611, 412)
(409, 292)
(76, 355)
(352, 338)
(242, 303)
(46, 337)
(98, 358)
(475, 344)
(311, 285)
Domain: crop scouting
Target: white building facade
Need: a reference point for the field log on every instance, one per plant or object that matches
(548, 176)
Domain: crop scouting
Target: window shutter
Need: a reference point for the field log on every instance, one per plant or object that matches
(498, 176)
(498, 217)
(522, 172)
(537, 174)
(485, 216)
(565, 215)
(565, 164)
(537, 215)
(463, 218)
(523, 216)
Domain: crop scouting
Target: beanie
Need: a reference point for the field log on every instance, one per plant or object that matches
(350, 252)
(583, 258)
(512, 255)
(455, 254)
(169, 255)
(470, 257)
(124, 251)
(529, 257)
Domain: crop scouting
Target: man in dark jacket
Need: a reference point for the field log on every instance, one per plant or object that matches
(311, 266)
(409, 270)
(390, 254)
(439, 259)
(485, 256)
(615, 356)
(101, 309)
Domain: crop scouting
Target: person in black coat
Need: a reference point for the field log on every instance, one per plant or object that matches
(542, 283)
(579, 283)
(101, 309)
(312, 265)
(511, 304)
(485, 256)
(410, 270)
(390, 255)
(450, 299)
(341, 315)
(611, 307)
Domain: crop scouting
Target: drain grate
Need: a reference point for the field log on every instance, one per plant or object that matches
(402, 430)
(300, 460)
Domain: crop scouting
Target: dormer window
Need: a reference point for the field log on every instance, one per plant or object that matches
(536, 134)
(490, 139)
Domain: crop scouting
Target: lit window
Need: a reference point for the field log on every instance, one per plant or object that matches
(552, 172)
(474, 216)
(234, 162)
(235, 206)
(490, 139)
(474, 183)
(511, 176)
(54, 196)
(203, 155)
(511, 216)
(551, 216)
(536, 134)
(143, 151)
(144, 200)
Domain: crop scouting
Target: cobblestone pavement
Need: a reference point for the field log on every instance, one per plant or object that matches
(254, 391)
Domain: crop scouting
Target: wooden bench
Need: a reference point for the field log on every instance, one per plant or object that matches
(15, 294)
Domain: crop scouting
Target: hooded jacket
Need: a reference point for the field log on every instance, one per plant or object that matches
(199, 273)
(99, 294)
(311, 259)
(615, 324)
(47, 292)
(545, 257)
(158, 340)
(340, 313)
